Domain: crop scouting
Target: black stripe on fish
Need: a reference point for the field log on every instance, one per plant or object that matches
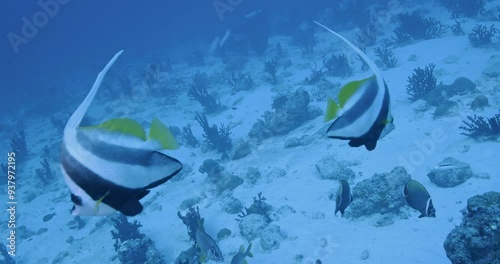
(123, 199)
(120, 154)
(369, 139)
(360, 107)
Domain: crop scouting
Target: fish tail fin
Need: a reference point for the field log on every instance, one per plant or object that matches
(76, 118)
(161, 133)
(332, 109)
(248, 253)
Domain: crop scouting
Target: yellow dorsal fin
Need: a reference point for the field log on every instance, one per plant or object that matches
(242, 249)
(160, 132)
(98, 202)
(349, 89)
(332, 109)
(122, 125)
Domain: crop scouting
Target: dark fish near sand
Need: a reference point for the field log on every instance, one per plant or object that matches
(363, 113)
(47, 218)
(419, 199)
(344, 197)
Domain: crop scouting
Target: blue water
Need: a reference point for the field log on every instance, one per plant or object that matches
(71, 44)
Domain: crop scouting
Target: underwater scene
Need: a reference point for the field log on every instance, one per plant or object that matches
(256, 132)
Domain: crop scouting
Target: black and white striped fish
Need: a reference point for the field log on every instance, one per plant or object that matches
(111, 166)
(364, 109)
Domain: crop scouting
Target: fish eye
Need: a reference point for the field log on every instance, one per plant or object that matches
(77, 200)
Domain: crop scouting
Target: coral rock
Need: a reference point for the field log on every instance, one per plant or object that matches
(331, 169)
(479, 102)
(381, 193)
(240, 150)
(251, 226)
(271, 237)
(493, 68)
(460, 86)
(450, 173)
(477, 239)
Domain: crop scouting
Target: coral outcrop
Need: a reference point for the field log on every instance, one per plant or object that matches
(477, 239)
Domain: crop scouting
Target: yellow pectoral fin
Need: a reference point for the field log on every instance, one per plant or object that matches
(160, 132)
(332, 109)
(98, 202)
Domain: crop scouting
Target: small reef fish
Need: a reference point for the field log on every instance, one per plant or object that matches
(208, 247)
(239, 258)
(111, 166)
(363, 114)
(48, 217)
(419, 199)
(344, 197)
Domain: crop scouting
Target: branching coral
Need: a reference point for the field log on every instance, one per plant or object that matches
(479, 126)
(421, 82)
(416, 26)
(125, 230)
(464, 8)
(457, 28)
(192, 220)
(218, 137)
(131, 245)
(7, 259)
(18, 144)
(199, 93)
(315, 75)
(337, 65)
(240, 82)
(188, 137)
(259, 206)
(44, 174)
(271, 67)
(386, 55)
(481, 36)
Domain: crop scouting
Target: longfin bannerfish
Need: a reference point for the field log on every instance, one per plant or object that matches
(111, 166)
(363, 114)
(344, 197)
(419, 198)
